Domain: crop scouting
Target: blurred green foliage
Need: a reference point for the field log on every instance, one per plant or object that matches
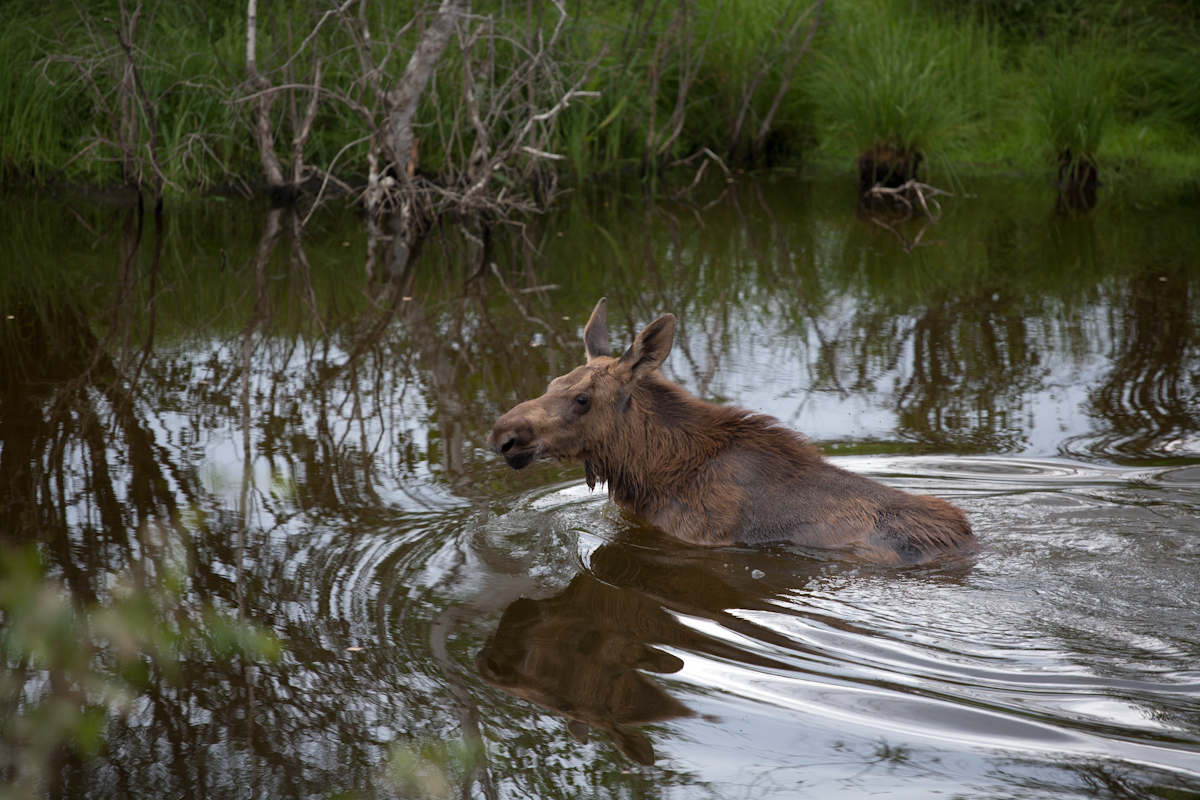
(69, 665)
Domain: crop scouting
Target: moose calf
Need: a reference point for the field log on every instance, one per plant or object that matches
(714, 475)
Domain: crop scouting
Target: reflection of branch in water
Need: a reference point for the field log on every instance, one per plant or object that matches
(152, 301)
(903, 196)
(1149, 403)
(908, 245)
(521, 308)
(828, 352)
(303, 271)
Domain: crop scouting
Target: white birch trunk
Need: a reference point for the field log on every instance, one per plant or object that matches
(264, 136)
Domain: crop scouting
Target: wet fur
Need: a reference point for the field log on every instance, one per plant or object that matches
(715, 475)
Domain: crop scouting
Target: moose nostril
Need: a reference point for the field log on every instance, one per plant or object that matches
(507, 444)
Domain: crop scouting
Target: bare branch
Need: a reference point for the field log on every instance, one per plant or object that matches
(262, 129)
(339, 11)
(400, 103)
(765, 129)
(543, 154)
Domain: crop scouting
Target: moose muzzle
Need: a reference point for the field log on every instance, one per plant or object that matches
(512, 437)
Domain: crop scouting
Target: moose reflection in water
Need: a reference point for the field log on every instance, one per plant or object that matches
(579, 655)
(582, 653)
(714, 475)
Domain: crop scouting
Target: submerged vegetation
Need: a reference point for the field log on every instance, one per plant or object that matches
(299, 95)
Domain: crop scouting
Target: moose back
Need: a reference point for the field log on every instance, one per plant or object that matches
(709, 474)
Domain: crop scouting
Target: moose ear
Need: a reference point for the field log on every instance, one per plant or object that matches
(650, 349)
(595, 335)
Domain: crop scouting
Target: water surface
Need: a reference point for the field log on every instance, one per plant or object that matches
(288, 426)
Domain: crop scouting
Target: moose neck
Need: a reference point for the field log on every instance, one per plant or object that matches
(667, 437)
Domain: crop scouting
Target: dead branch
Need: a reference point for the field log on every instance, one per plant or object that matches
(304, 130)
(690, 71)
(148, 107)
(703, 152)
(923, 192)
(765, 129)
(400, 103)
(262, 129)
(767, 61)
(339, 11)
(328, 176)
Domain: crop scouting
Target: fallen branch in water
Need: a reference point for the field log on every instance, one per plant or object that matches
(700, 172)
(923, 192)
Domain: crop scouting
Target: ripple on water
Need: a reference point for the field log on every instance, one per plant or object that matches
(1072, 639)
(1179, 476)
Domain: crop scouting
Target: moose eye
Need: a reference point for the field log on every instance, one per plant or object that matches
(581, 400)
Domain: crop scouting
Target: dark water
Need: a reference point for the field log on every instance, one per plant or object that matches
(289, 428)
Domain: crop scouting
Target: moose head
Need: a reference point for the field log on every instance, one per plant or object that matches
(583, 411)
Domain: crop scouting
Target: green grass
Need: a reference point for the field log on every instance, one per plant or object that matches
(976, 86)
(39, 127)
(1075, 88)
(909, 80)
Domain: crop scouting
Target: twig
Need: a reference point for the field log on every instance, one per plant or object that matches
(340, 10)
(761, 140)
(702, 152)
(544, 154)
(923, 191)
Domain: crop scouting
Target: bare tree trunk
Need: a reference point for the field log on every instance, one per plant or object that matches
(761, 140)
(264, 136)
(304, 129)
(400, 103)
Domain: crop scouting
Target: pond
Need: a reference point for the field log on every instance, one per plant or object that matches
(270, 441)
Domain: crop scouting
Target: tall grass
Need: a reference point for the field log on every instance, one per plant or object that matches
(964, 82)
(39, 126)
(891, 76)
(1076, 89)
(898, 86)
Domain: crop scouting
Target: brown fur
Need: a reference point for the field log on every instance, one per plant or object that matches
(714, 475)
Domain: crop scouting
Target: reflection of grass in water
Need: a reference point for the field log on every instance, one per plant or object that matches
(204, 272)
(1009, 281)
